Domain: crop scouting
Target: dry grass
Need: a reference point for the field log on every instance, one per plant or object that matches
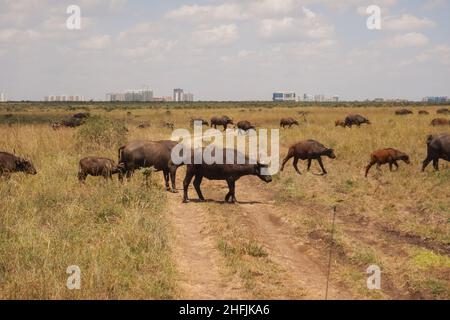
(118, 236)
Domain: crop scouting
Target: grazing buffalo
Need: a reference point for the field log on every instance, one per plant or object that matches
(389, 155)
(438, 147)
(245, 126)
(221, 121)
(423, 112)
(228, 172)
(355, 119)
(201, 121)
(403, 112)
(339, 123)
(10, 163)
(81, 115)
(308, 150)
(146, 154)
(440, 122)
(96, 166)
(288, 122)
(443, 111)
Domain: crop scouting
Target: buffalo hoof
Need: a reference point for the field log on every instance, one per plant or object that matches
(185, 200)
(174, 191)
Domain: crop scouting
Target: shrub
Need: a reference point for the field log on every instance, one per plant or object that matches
(101, 133)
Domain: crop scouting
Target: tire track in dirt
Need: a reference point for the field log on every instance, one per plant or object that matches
(299, 268)
(198, 262)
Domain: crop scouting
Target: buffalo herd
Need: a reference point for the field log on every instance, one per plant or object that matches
(157, 155)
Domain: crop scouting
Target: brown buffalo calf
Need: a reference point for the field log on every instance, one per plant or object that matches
(389, 155)
(339, 123)
(96, 166)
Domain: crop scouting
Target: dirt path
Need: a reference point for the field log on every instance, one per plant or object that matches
(198, 262)
(302, 266)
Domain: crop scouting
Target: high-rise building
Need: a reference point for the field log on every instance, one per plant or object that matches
(2, 97)
(178, 95)
(283, 96)
(138, 96)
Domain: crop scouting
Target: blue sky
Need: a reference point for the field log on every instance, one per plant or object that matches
(225, 50)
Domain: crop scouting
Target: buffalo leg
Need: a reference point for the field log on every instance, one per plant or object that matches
(324, 172)
(390, 166)
(82, 176)
(186, 183)
(289, 156)
(231, 193)
(426, 162)
(436, 164)
(396, 164)
(309, 164)
(173, 175)
(166, 179)
(296, 165)
(197, 182)
(368, 167)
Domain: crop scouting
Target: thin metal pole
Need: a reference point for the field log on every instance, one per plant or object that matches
(331, 251)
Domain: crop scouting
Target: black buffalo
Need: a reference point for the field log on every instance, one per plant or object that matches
(228, 172)
(221, 121)
(438, 147)
(355, 119)
(146, 154)
(10, 163)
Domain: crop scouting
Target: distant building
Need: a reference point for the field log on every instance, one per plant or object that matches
(308, 97)
(378, 100)
(283, 96)
(138, 96)
(436, 99)
(64, 98)
(2, 97)
(178, 95)
(319, 98)
(335, 98)
(188, 97)
(115, 97)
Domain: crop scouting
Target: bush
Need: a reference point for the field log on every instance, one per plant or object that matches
(101, 133)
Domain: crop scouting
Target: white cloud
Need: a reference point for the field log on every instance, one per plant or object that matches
(217, 36)
(412, 39)
(310, 25)
(406, 22)
(96, 42)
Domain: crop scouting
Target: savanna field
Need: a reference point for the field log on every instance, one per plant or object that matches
(137, 241)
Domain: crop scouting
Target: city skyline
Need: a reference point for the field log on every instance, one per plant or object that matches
(226, 50)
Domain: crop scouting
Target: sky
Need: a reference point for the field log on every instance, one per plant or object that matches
(225, 49)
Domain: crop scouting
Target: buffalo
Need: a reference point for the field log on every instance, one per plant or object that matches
(245, 126)
(443, 111)
(96, 166)
(228, 172)
(10, 163)
(355, 119)
(308, 150)
(438, 147)
(146, 154)
(81, 115)
(389, 155)
(423, 112)
(288, 122)
(221, 121)
(440, 122)
(403, 112)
